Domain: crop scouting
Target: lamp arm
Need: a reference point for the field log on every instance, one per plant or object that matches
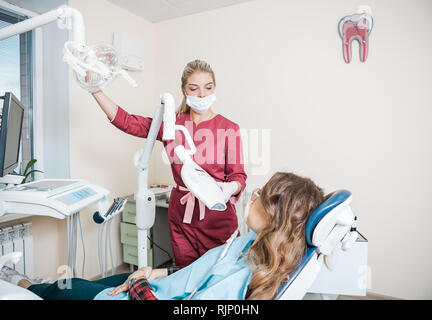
(61, 15)
(144, 198)
(144, 157)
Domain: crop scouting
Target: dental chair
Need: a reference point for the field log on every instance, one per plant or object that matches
(330, 226)
(9, 291)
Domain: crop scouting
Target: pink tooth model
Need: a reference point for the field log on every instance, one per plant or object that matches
(356, 27)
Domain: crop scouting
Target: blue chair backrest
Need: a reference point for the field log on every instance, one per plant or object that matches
(324, 208)
(335, 199)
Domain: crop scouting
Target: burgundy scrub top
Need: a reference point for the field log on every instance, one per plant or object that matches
(220, 153)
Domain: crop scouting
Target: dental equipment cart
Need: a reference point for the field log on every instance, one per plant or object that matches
(57, 198)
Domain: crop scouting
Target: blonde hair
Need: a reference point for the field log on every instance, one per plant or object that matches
(191, 68)
(288, 200)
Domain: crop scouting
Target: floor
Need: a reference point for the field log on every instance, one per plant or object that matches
(369, 296)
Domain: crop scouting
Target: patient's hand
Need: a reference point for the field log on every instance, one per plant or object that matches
(144, 272)
(120, 288)
(148, 273)
(158, 273)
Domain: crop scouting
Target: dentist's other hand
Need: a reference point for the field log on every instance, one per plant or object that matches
(229, 189)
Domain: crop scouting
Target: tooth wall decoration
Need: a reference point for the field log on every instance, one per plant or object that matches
(356, 27)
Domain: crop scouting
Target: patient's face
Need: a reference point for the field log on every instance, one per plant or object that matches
(257, 218)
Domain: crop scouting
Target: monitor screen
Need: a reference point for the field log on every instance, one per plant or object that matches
(10, 133)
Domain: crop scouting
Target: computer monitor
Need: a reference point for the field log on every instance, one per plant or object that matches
(12, 117)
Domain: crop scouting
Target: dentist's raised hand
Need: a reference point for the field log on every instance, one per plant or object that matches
(87, 84)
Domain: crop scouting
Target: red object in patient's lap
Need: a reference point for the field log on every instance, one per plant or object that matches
(141, 290)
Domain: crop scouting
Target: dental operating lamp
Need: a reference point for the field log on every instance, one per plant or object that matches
(94, 67)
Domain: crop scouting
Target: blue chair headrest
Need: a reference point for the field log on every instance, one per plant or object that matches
(335, 199)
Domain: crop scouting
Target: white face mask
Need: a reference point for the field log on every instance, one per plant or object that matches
(200, 105)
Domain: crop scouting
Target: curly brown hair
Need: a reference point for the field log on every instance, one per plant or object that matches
(288, 199)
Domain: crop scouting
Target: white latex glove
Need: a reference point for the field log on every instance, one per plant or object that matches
(85, 86)
(228, 188)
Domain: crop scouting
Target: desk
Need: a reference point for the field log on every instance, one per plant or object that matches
(159, 234)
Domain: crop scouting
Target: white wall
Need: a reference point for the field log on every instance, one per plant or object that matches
(100, 153)
(364, 127)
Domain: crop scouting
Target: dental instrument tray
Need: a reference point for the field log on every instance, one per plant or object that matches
(161, 191)
(115, 208)
(57, 198)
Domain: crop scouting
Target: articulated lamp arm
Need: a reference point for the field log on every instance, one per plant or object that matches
(166, 105)
(65, 17)
(144, 198)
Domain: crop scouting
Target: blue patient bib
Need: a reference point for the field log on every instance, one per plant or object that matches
(226, 280)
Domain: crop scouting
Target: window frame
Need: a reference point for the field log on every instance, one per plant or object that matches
(35, 91)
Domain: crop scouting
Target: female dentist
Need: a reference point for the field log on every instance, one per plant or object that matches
(195, 229)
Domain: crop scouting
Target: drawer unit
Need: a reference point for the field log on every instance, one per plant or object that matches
(129, 212)
(130, 255)
(157, 254)
(129, 239)
(128, 233)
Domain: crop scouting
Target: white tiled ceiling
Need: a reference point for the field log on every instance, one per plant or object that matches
(160, 10)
